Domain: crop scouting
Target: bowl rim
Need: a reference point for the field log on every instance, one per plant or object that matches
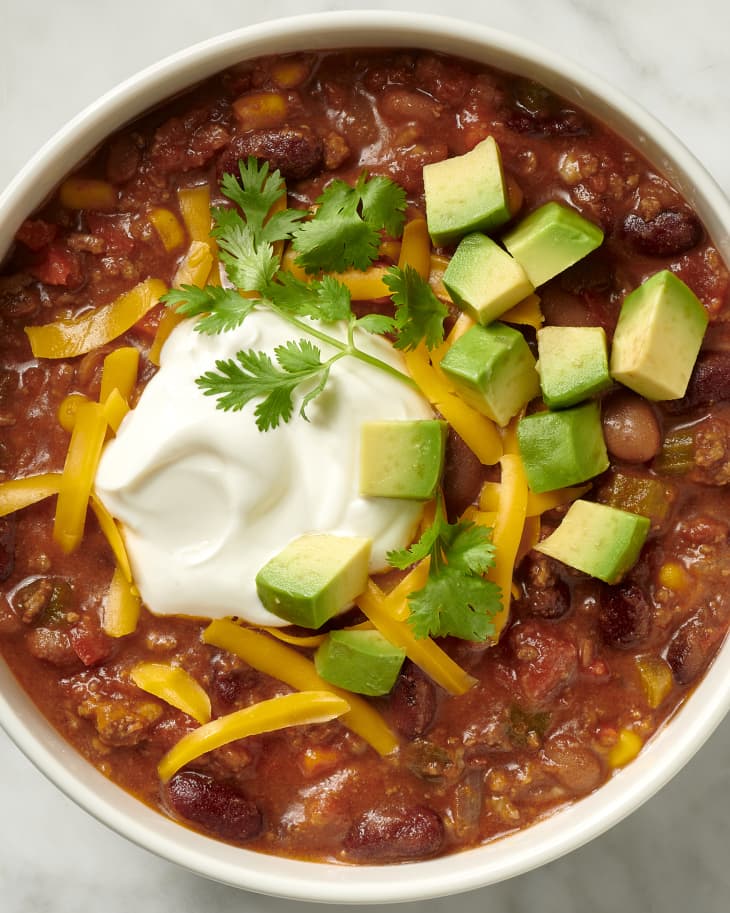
(571, 826)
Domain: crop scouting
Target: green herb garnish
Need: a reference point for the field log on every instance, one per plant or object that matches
(456, 599)
(344, 232)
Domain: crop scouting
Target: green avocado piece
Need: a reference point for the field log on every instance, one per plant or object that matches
(599, 540)
(551, 239)
(402, 459)
(465, 193)
(360, 661)
(657, 337)
(572, 364)
(484, 280)
(562, 448)
(314, 578)
(493, 369)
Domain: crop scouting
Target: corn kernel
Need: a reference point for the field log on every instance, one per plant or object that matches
(289, 73)
(68, 409)
(314, 760)
(627, 746)
(87, 193)
(673, 576)
(167, 227)
(260, 109)
(656, 679)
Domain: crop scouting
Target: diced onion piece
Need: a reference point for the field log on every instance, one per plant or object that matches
(526, 313)
(301, 709)
(396, 601)
(627, 747)
(115, 408)
(195, 266)
(175, 686)
(416, 248)
(194, 205)
(79, 472)
(87, 193)
(167, 324)
(67, 338)
(273, 658)
(424, 652)
(20, 493)
(167, 227)
(68, 409)
(119, 372)
(508, 530)
(108, 526)
(120, 611)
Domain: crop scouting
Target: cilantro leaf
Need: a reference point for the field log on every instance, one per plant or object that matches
(323, 299)
(419, 315)
(376, 323)
(256, 192)
(345, 230)
(456, 598)
(220, 309)
(253, 374)
(251, 263)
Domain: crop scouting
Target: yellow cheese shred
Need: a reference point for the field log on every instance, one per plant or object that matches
(194, 205)
(115, 408)
(536, 503)
(363, 285)
(424, 652)
(273, 658)
(119, 371)
(109, 528)
(313, 640)
(120, 611)
(508, 529)
(167, 227)
(79, 471)
(396, 601)
(526, 313)
(67, 338)
(415, 248)
(20, 493)
(175, 686)
(301, 709)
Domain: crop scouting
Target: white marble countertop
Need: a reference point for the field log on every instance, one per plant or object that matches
(673, 58)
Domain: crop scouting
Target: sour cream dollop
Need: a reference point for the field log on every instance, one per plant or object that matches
(206, 499)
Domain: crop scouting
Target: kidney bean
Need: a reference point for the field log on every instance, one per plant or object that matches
(709, 382)
(463, 475)
(668, 234)
(575, 766)
(692, 647)
(413, 702)
(546, 595)
(625, 615)
(295, 151)
(7, 546)
(215, 806)
(183, 143)
(394, 834)
(123, 159)
(630, 428)
(544, 664)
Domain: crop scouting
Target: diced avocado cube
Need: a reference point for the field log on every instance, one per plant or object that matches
(465, 193)
(493, 370)
(657, 337)
(562, 448)
(314, 578)
(484, 280)
(360, 661)
(599, 540)
(402, 459)
(572, 364)
(551, 239)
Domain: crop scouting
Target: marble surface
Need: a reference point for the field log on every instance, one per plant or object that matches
(672, 57)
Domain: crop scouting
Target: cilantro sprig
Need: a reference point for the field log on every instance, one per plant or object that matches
(456, 599)
(343, 232)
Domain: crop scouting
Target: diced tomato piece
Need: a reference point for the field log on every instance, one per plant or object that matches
(36, 233)
(90, 643)
(59, 267)
(113, 230)
(147, 326)
(545, 664)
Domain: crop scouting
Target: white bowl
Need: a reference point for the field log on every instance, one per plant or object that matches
(565, 830)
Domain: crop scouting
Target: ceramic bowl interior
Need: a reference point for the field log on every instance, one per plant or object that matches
(569, 828)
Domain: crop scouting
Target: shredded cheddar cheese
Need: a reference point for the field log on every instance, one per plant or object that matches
(175, 686)
(508, 529)
(108, 526)
(167, 227)
(20, 493)
(416, 248)
(119, 372)
(120, 611)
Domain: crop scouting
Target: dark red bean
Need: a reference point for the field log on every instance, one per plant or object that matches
(123, 159)
(630, 428)
(413, 702)
(217, 807)
(625, 615)
(544, 594)
(7, 546)
(544, 664)
(394, 834)
(537, 112)
(691, 648)
(670, 233)
(709, 383)
(296, 151)
(463, 475)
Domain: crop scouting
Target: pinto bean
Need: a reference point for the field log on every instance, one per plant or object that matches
(625, 615)
(398, 104)
(630, 428)
(668, 234)
(463, 475)
(295, 151)
(394, 834)
(575, 766)
(692, 647)
(413, 702)
(215, 806)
